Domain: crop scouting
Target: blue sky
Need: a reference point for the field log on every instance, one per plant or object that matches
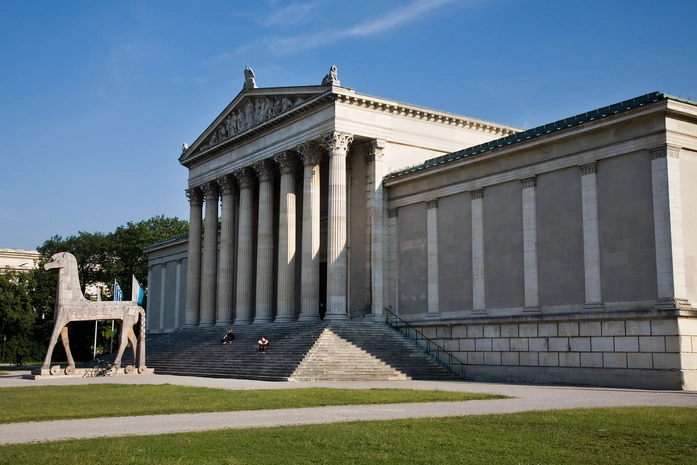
(97, 97)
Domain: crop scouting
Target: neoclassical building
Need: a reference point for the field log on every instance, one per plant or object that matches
(563, 253)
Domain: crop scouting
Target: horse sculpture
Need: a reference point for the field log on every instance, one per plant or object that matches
(71, 305)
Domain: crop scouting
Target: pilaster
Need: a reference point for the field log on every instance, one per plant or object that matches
(478, 289)
(338, 144)
(432, 260)
(177, 293)
(163, 288)
(392, 261)
(668, 227)
(193, 272)
(532, 300)
(591, 236)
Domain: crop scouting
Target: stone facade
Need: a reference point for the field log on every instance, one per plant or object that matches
(18, 259)
(563, 253)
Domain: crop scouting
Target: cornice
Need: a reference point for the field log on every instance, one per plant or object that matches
(424, 114)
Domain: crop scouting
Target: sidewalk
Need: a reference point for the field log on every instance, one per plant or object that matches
(525, 398)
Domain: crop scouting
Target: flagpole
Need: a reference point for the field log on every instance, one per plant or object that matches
(111, 346)
(94, 347)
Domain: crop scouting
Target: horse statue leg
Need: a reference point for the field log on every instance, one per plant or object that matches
(66, 346)
(134, 346)
(126, 330)
(57, 327)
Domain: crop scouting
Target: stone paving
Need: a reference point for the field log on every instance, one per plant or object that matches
(523, 398)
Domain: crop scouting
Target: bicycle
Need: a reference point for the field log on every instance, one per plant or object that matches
(19, 362)
(103, 368)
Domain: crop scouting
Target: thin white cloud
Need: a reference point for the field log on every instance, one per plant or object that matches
(397, 17)
(290, 15)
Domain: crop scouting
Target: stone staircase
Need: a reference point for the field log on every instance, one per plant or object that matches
(327, 350)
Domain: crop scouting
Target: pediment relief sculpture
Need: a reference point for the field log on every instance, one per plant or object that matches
(248, 114)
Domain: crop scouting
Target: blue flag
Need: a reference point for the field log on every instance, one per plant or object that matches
(137, 292)
(118, 293)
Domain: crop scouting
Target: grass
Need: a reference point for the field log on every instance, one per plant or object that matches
(41, 403)
(636, 436)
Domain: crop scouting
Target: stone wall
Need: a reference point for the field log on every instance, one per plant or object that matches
(651, 352)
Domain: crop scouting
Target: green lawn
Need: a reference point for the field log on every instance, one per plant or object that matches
(635, 436)
(39, 403)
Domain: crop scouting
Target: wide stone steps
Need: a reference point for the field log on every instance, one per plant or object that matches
(327, 350)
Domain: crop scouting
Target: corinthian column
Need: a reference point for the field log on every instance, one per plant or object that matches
(227, 251)
(193, 270)
(210, 255)
(245, 253)
(337, 231)
(309, 273)
(264, 294)
(286, 239)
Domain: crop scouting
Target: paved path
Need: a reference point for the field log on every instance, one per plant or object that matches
(524, 398)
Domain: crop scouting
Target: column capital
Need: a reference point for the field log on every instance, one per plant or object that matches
(265, 169)
(589, 168)
(210, 191)
(528, 182)
(433, 203)
(245, 177)
(665, 150)
(477, 194)
(310, 153)
(195, 196)
(226, 184)
(286, 162)
(337, 142)
(375, 150)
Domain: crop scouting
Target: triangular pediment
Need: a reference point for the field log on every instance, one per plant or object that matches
(250, 111)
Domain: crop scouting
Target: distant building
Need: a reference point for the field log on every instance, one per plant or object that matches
(562, 253)
(18, 259)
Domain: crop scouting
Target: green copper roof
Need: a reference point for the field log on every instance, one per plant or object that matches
(541, 130)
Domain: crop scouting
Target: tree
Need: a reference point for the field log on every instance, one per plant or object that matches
(17, 316)
(125, 256)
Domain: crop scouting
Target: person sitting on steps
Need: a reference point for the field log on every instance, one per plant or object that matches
(264, 344)
(229, 337)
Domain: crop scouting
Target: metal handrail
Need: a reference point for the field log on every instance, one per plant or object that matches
(429, 346)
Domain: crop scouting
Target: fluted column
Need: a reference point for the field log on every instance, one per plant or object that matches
(245, 253)
(337, 225)
(377, 169)
(193, 270)
(264, 292)
(210, 255)
(226, 260)
(286, 238)
(309, 274)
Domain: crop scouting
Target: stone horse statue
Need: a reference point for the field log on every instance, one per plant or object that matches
(71, 305)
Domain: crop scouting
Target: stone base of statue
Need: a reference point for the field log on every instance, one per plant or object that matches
(56, 372)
